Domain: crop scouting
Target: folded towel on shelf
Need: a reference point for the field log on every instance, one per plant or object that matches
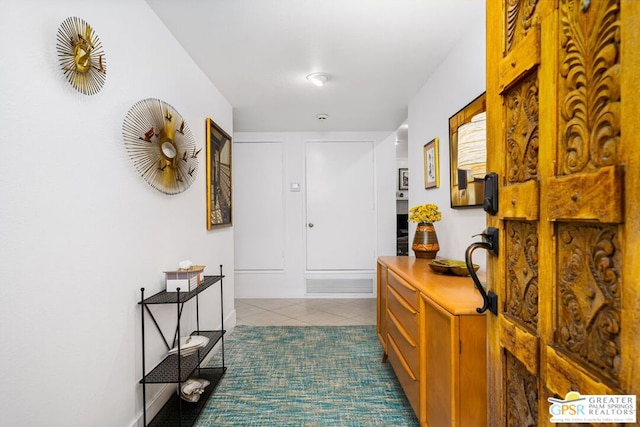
(192, 389)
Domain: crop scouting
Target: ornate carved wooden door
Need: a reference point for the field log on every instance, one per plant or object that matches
(567, 153)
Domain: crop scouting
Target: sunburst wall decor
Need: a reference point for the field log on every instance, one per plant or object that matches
(81, 56)
(161, 145)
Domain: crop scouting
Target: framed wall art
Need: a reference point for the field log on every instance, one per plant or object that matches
(218, 176)
(468, 153)
(403, 179)
(431, 164)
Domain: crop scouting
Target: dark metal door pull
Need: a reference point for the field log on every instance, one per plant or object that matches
(490, 243)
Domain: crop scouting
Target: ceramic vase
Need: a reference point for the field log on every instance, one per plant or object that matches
(425, 241)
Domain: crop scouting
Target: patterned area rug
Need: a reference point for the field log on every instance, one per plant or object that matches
(306, 376)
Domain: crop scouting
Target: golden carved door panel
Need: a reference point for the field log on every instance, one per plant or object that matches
(566, 151)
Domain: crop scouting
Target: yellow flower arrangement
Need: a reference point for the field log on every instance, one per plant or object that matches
(425, 213)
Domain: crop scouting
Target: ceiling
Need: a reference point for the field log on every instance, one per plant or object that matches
(378, 53)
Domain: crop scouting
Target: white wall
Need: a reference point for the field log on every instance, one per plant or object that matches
(289, 282)
(80, 231)
(457, 81)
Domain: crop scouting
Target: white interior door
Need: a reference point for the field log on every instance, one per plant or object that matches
(258, 186)
(340, 198)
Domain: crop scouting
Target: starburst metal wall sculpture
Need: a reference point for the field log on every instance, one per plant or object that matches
(81, 56)
(161, 145)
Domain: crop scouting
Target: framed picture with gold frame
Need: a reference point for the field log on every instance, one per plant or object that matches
(219, 150)
(467, 154)
(431, 164)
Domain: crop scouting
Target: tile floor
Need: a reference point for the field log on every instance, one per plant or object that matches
(306, 312)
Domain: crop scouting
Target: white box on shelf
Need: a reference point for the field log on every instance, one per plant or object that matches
(187, 279)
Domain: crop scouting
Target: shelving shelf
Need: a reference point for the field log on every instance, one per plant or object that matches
(167, 370)
(190, 411)
(175, 368)
(164, 297)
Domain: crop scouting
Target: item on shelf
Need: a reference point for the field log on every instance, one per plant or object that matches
(451, 266)
(185, 264)
(190, 345)
(187, 279)
(192, 389)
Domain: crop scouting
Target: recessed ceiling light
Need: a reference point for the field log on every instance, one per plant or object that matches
(318, 79)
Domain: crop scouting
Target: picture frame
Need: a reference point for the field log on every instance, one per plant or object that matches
(219, 168)
(467, 188)
(403, 179)
(431, 160)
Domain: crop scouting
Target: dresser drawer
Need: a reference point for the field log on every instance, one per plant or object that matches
(408, 347)
(405, 314)
(407, 291)
(409, 382)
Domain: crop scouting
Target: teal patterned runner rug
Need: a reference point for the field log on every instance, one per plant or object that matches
(306, 376)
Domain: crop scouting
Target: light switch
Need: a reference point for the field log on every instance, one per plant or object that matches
(294, 187)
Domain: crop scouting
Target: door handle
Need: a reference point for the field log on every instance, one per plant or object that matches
(490, 243)
(310, 225)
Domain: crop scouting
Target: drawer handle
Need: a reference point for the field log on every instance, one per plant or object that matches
(401, 282)
(402, 331)
(401, 359)
(402, 302)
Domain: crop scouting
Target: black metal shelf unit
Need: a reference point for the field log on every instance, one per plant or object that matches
(176, 368)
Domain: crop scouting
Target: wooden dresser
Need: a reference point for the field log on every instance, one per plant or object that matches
(435, 341)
